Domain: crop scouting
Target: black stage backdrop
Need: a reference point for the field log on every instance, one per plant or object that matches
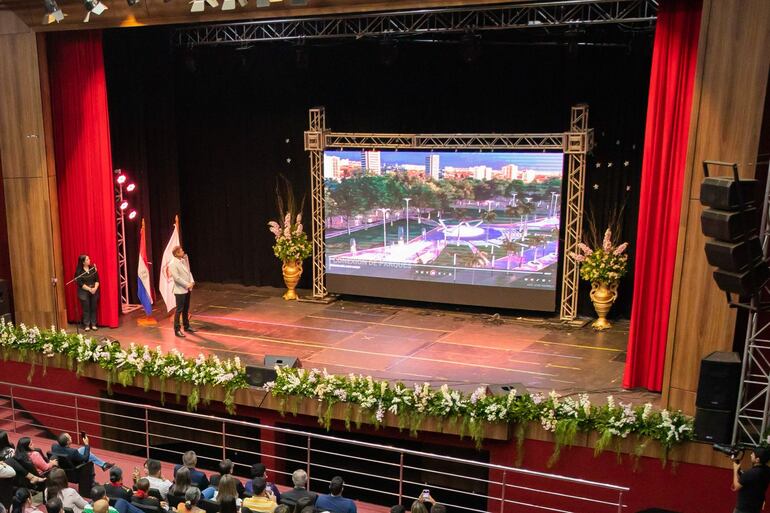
(207, 132)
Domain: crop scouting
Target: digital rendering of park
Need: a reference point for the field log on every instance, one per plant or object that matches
(482, 219)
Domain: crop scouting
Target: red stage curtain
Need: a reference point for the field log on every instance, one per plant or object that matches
(665, 151)
(84, 164)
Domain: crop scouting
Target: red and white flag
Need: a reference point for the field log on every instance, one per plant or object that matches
(166, 281)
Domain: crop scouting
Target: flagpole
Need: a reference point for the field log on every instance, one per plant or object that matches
(147, 320)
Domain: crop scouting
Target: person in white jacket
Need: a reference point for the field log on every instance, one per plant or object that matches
(183, 285)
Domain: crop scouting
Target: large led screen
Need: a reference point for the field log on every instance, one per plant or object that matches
(450, 227)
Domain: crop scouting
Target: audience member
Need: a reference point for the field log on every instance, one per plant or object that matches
(6, 447)
(438, 508)
(64, 448)
(282, 508)
(53, 505)
(191, 498)
(335, 502)
(227, 504)
(155, 477)
(398, 508)
(6, 471)
(262, 500)
(142, 495)
(121, 505)
(21, 455)
(418, 507)
(100, 506)
(22, 502)
(225, 468)
(115, 488)
(308, 509)
(58, 488)
(34, 455)
(259, 470)
(299, 478)
(303, 502)
(227, 486)
(198, 478)
(181, 483)
(23, 478)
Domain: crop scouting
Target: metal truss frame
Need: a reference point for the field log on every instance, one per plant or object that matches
(575, 144)
(753, 409)
(120, 220)
(553, 13)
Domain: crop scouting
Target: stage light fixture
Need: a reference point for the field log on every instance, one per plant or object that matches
(95, 7)
(243, 3)
(199, 5)
(228, 5)
(132, 215)
(263, 3)
(121, 179)
(298, 3)
(132, 3)
(131, 187)
(52, 12)
(124, 205)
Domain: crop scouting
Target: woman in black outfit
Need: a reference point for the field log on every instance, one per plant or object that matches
(88, 290)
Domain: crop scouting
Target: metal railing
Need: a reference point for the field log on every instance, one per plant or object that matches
(373, 472)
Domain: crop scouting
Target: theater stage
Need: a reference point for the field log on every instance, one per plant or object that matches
(396, 342)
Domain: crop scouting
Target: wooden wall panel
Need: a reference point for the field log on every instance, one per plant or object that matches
(728, 100)
(29, 234)
(21, 122)
(30, 193)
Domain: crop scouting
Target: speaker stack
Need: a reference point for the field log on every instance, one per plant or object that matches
(258, 375)
(720, 374)
(731, 219)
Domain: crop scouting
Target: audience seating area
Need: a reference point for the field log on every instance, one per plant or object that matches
(85, 476)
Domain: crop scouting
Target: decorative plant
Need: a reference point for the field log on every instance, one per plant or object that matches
(411, 405)
(604, 264)
(291, 242)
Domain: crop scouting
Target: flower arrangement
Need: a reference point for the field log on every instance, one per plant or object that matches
(126, 364)
(604, 264)
(291, 242)
(563, 416)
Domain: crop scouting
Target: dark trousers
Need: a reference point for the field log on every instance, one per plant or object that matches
(90, 303)
(182, 310)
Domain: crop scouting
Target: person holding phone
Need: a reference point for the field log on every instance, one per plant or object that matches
(63, 448)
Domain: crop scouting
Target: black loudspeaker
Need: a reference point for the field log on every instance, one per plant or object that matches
(5, 297)
(743, 283)
(722, 192)
(506, 389)
(729, 226)
(257, 376)
(734, 256)
(714, 426)
(271, 360)
(720, 375)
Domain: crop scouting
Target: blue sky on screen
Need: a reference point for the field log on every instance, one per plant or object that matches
(531, 160)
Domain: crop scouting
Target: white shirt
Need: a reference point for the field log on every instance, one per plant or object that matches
(162, 485)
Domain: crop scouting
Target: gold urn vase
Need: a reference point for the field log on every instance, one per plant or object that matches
(603, 295)
(292, 270)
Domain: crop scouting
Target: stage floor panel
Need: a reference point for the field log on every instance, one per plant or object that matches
(396, 342)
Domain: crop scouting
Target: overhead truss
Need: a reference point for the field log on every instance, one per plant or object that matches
(575, 144)
(544, 14)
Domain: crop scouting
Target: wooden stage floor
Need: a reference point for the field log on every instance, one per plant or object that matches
(395, 342)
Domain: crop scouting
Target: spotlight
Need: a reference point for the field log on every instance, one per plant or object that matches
(228, 5)
(132, 3)
(52, 12)
(124, 205)
(131, 187)
(132, 215)
(95, 7)
(263, 3)
(121, 179)
(243, 3)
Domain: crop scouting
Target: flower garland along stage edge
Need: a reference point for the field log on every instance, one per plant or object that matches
(123, 365)
(565, 417)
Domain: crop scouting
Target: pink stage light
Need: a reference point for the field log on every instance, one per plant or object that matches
(121, 179)
(131, 187)
(124, 205)
(132, 215)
